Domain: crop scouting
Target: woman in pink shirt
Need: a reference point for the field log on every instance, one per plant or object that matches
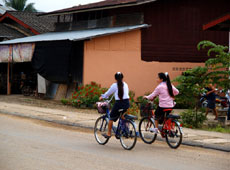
(166, 92)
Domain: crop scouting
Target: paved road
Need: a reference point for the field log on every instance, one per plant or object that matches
(33, 145)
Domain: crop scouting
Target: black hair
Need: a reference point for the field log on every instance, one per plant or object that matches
(119, 76)
(165, 78)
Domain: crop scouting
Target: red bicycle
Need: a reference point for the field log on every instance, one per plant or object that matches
(170, 129)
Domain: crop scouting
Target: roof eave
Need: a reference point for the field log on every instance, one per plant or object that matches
(97, 8)
(8, 15)
(216, 22)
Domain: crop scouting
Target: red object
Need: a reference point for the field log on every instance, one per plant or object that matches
(217, 22)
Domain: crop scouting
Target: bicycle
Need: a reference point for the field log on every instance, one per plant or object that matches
(171, 129)
(125, 130)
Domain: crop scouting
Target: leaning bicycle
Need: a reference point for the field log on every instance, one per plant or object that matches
(125, 131)
(170, 129)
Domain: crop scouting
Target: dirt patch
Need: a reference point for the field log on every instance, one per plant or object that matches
(44, 103)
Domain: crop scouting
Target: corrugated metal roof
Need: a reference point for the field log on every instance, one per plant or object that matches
(74, 35)
(98, 6)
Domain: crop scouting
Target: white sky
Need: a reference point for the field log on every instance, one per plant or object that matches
(52, 5)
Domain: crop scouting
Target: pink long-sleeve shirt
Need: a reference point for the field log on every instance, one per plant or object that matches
(165, 100)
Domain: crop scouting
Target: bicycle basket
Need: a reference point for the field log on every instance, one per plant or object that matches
(146, 109)
(102, 106)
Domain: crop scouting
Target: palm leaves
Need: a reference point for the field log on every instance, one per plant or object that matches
(20, 5)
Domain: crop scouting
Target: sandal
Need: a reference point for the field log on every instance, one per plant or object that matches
(106, 136)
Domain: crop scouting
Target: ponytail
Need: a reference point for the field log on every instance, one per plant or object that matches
(119, 77)
(165, 78)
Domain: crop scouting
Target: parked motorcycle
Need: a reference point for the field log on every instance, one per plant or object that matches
(223, 101)
(27, 87)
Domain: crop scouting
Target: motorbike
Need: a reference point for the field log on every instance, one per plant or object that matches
(27, 87)
(222, 101)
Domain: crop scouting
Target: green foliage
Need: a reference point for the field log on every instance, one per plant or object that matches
(218, 128)
(65, 101)
(218, 66)
(191, 82)
(193, 119)
(21, 5)
(141, 100)
(190, 85)
(133, 110)
(86, 96)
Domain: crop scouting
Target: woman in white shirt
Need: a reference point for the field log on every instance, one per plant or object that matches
(121, 91)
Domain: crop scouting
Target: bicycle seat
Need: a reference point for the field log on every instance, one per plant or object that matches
(167, 110)
(121, 111)
(130, 117)
(173, 116)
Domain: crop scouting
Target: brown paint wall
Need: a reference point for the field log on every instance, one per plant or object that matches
(104, 56)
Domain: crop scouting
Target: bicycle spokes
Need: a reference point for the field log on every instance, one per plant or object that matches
(144, 130)
(174, 136)
(128, 135)
(101, 126)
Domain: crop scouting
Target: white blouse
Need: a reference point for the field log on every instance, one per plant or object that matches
(114, 89)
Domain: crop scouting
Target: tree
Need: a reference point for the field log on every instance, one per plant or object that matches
(190, 85)
(219, 66)
(215, 71)
(21, 5)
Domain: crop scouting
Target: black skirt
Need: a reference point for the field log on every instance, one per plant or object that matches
(119, 104)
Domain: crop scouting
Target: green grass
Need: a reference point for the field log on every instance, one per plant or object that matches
(218, 128)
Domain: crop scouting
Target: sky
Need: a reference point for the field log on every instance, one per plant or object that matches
(52, 5)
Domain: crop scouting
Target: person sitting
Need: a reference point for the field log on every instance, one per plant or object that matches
(121, 91)
(166, 92)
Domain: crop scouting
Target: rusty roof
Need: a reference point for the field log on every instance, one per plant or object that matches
(40, 24)
(99, 6)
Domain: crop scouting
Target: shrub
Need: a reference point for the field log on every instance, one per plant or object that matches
(65, 101)
(133, 109)
(192, 120)
(86, 96)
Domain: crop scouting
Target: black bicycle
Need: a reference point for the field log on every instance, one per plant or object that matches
(125, 130)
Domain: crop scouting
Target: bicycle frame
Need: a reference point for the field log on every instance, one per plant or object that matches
(116, 129)
(125, 130)
(168, 124)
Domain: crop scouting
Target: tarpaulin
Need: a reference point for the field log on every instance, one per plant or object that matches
(16, 52)
(51, 60)
(5, 53)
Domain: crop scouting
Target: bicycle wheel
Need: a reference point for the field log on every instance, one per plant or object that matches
(128, 135)
(144, 130)
(101, 126)
(174, 136)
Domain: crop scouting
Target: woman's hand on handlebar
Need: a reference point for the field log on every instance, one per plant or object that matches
(145, 97)
(100, 98)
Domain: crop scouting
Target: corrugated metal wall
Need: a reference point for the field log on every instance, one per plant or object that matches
(177, 29)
